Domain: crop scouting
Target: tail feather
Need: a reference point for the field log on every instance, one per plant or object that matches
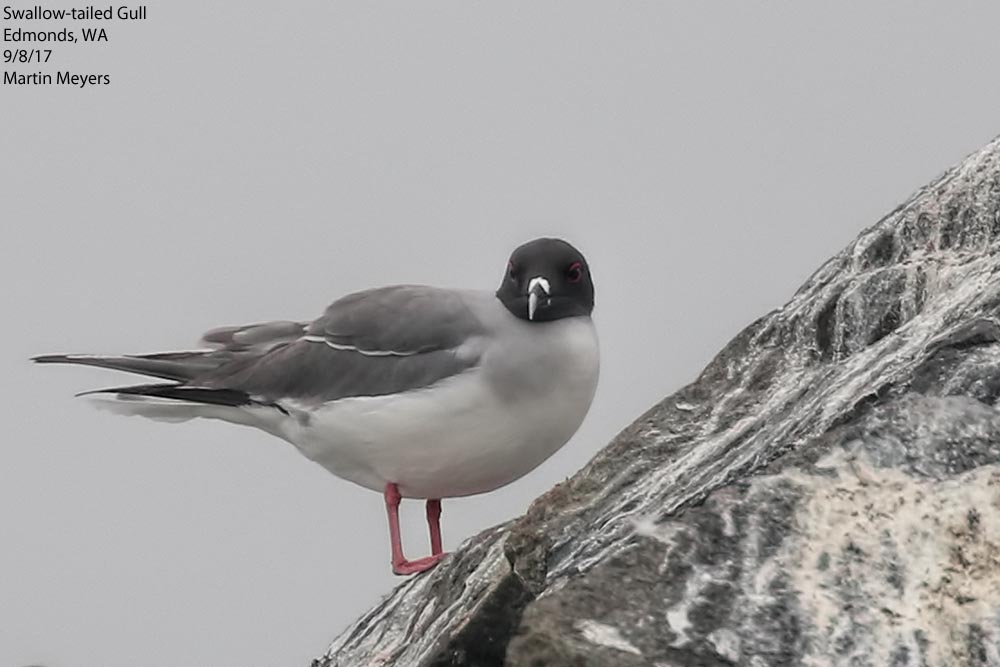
(178, 392)
(188, 394)
(184, 396)
(174, 403)
(176, 366)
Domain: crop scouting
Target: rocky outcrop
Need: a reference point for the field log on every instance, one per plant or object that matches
(827, 492)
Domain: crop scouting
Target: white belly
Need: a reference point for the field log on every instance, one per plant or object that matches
(460, 436)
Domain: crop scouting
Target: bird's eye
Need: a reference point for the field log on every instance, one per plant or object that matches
(574, 272)
(511, 271)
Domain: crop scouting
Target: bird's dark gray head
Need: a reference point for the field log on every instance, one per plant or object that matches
(547, 279)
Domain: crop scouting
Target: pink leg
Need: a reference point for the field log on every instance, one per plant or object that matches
(399, 563)
(434, 523)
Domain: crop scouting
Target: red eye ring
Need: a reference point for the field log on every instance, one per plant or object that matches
(574, 272)
(511, 271)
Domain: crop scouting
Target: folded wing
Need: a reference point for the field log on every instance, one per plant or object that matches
(371, 343)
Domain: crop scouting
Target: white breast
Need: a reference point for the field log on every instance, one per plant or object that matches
(468, 434)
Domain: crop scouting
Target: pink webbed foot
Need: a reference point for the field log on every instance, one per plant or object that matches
(405, 567)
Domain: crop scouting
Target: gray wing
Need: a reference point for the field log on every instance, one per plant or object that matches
(371, 343)
(404, 319)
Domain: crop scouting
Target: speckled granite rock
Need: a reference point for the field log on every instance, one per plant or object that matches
(827, 492)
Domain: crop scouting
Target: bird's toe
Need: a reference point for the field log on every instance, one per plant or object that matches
(407, 567)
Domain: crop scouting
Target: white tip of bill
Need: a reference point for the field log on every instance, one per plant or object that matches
(536, 282)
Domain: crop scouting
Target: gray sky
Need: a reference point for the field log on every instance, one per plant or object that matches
(255, 164)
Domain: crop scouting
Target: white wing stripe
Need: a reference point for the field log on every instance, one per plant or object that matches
(351, 348)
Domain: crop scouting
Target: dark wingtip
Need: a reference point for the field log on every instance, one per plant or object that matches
(51, 358)
(132, 390)
(91, 392)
